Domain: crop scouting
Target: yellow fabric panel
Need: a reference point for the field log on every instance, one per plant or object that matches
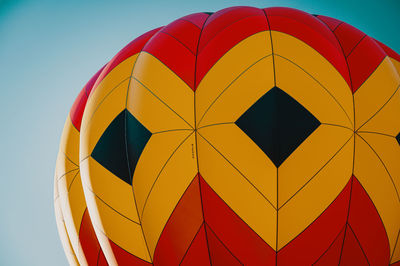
(120, 74)
(241, 94)
(245, 155)
(164, 83)
(237, 193)
(111, 189)
(309, 158)
(396, 65)
(375, 91)
(167, 191)
(388, 150)
(316, 196)
(396, 253)
(62, 230)
(68, 155)
(155, 155)
(95, 121)
(309, 93)
(105, 245)
(95, 216)
(151, 112)
(72, 202)
(387, 120)
(63, 165)
(69, 143)
(123, 232)
(237, 60)
(318, 67)
(371, 173)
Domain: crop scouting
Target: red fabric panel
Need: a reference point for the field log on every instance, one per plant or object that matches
(179, 29)
(310, 30)
(222, 31)
(332, 255)
(172, 50)
(239, 238)
(197, 19)
(352, 253)
(368, 227)
(92, 81)
(197, 253)
(395, 264)
(219, 254)
(88, 239)
(181, 227)
(102, 259)
(332, 23)
(132, 48)
(349, 37)
(78, 107)
(309, 245)
(125, 258)
(389, 51)
(363, 61)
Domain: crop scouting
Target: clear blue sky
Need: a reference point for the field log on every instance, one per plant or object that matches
(49, 49)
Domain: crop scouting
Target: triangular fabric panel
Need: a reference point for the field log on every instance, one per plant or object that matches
(332, 254)
(247, 246)
(181, 228)
(197, 254)
(219, 254)
(352, 254)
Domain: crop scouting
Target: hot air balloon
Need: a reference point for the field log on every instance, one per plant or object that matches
(246, 136)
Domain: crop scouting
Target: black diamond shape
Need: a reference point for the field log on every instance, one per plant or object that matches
(124, 134)
(398, 138)
(278, 124)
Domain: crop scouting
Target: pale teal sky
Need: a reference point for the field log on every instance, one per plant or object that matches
(49, 49)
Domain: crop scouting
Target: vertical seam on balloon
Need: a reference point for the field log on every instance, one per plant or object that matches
(313, 176)
(221, 30)
(394, 248)
(234, 167)
(98, 257)
(102, 100)
(126, 145)
(277, 169)
(160, 172)
(236, 215)
(359, 244)
(162, 231)
(354, 146)
(216, 236)
(330, 245)
(196, 133)
(158, 98)
(376, 69)
(320, 84)
(384, 166)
